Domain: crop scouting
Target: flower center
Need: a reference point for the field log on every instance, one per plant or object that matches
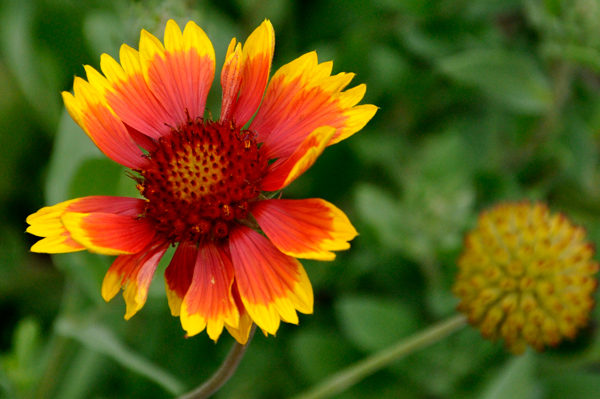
(201, 177)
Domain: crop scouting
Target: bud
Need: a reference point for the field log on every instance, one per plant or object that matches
(526, 276)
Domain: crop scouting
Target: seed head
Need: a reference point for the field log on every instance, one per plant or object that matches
(526, 276)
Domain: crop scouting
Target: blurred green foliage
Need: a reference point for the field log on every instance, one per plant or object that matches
(480, 101)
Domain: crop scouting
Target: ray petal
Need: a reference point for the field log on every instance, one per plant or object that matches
(178, 275)
(93, 114)
(109, 233)
(301, 97)
(285, 170)
(133, 273)
(47, 221)
(257, 57)
(309, 228)
(272, 285)
(179, 74)
(208, 302)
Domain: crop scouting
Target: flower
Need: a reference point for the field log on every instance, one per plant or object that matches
(526, 276)
(204, 181)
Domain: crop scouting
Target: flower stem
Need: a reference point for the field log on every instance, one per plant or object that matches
(344, 379)
(224, 373)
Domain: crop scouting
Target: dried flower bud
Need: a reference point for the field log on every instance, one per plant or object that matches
(526, 276)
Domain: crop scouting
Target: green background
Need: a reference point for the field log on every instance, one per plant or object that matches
(480, 101)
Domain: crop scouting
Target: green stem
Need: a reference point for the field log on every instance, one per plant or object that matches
(344, 379)
(224, 373)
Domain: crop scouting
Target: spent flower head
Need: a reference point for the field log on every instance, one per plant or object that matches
(203, 181)
(526, 276)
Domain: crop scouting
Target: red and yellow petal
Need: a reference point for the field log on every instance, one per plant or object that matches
(47, 221)
(57, 244)
(108, 233)
(128, 94)
(208, 302)
(301, 97)
(143, 140)
(134, 273)
(257, 57)
(93, 114)
(231, 79)
(309, 228)
(357, 115)
(272, 285)
(180, 73)
(242, 331)
(178, 275)
(285, 170)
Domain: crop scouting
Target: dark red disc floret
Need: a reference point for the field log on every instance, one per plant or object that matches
(201, 179)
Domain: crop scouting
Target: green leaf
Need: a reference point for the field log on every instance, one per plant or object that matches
(516, 380)
(103, 31)
(14, 116)
(380, 210)
(580, 385)
(97, 176)
(12, 253)
(31, 67)
(389, 69)
(436, 203)
(22, 363)
(579, 152)
(582, 55)
(102, 340)
(72, 148)
(416, 7)
(6, 389)
(514, 79)
(26, 342)
(87, 269)
(373, 324)
(84, 372)
(317, 354)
